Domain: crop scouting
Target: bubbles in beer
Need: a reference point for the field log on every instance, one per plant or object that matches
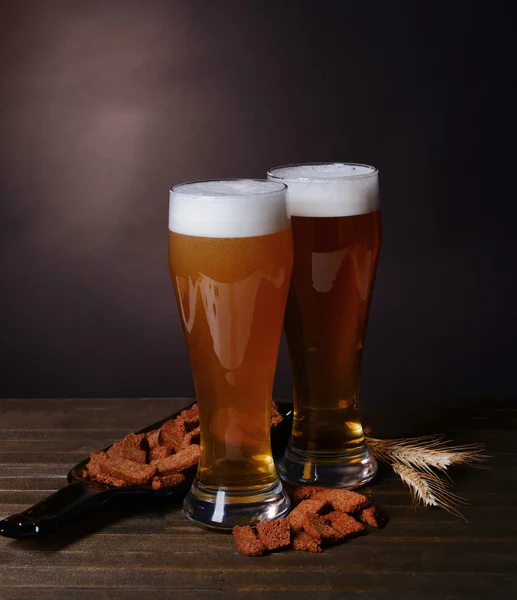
(228, 209)
(329, 190)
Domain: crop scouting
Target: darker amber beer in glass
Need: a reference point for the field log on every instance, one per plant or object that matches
(336, 234)
(230, 259)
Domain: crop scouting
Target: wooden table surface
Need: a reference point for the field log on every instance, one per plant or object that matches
(153, 552)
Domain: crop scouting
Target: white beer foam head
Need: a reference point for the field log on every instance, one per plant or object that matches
(330, 189)
(228, 208)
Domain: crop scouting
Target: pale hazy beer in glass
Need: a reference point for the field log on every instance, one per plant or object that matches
(336, 225)
(230, 259)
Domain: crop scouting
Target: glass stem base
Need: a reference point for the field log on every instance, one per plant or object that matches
(223, 510)
(348, 471)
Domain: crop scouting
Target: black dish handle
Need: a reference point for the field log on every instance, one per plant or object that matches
(55, 511)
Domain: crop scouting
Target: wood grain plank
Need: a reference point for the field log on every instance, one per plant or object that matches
(360, 555)
(238, 594)
(128, 594)
(144, 551)
(302, 577)
(406, 524)
(490, 501)
(157, 532)
(84, 447)
(30, 484)
(126, 414)
(45, 457)
(59, 404)
(11, 449)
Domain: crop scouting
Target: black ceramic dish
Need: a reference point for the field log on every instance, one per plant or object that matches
(81, 495)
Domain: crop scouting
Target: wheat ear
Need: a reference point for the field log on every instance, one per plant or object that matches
(427, 453)
(428, 489)
(415, 460)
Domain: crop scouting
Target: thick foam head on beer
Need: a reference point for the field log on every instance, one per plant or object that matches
(330, 189)
(228, 208)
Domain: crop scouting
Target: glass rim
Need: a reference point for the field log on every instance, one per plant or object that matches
(174, 189)
(322, 179)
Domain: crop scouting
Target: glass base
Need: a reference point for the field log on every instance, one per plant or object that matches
(224, 510)
(347, 471)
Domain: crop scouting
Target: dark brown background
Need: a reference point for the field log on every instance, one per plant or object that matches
(106, 104)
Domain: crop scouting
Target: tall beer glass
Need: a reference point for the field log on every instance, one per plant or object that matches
(336, 225)
(230, 259)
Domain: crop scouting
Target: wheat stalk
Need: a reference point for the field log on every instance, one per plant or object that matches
(416, 460)
(427, 453)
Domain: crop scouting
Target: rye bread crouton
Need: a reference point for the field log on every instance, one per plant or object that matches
(312, 506)
(152, 438)
(274, 534)
(319, 529)
(176, 463)
(343, 500)
(192, 437)
(276, 417)
(159, 452)
(190, 417)
(303, 541)
(132, 472)
(373, 516)
(172, 433)
(167, 481)
(247, 541)
(304, 492)
(94, 471)
(127, 470)
(132, 447)
(346, 525)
